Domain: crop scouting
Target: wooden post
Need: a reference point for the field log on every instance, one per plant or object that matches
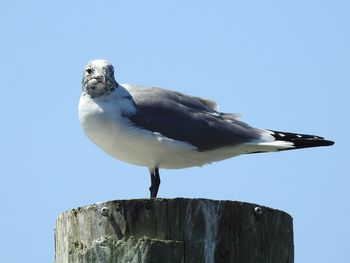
(174, 231)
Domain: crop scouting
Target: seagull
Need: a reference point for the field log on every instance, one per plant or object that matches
(159, 128)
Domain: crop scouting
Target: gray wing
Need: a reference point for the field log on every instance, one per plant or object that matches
(189, 119)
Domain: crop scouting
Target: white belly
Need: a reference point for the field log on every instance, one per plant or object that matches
(113, 134)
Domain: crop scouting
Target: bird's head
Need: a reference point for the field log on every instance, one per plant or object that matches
(98, 78)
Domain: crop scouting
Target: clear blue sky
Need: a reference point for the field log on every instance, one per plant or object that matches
(282, 64)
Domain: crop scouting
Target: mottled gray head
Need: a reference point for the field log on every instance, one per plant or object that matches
(98, 78)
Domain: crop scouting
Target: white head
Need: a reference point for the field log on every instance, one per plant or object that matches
(98, 78)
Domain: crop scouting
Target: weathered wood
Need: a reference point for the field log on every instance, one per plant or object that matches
(174, 230)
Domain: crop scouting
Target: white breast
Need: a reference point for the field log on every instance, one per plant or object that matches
(103, 123)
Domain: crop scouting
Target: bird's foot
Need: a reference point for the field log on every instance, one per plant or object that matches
(155, 182)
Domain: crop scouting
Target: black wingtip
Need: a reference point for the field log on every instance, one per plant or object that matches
(307, 143)
(301, 140)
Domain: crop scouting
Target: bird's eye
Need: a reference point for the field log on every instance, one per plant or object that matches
(89, 71)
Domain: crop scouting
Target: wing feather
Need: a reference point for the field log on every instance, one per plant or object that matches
(186, 118)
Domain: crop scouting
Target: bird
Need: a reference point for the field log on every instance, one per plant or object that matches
(159, 128)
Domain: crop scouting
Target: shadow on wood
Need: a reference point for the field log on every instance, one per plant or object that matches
(174, 230)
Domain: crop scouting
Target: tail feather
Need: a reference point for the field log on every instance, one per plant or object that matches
(300, 141)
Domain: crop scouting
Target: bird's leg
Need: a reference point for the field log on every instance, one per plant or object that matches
(155, 182)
